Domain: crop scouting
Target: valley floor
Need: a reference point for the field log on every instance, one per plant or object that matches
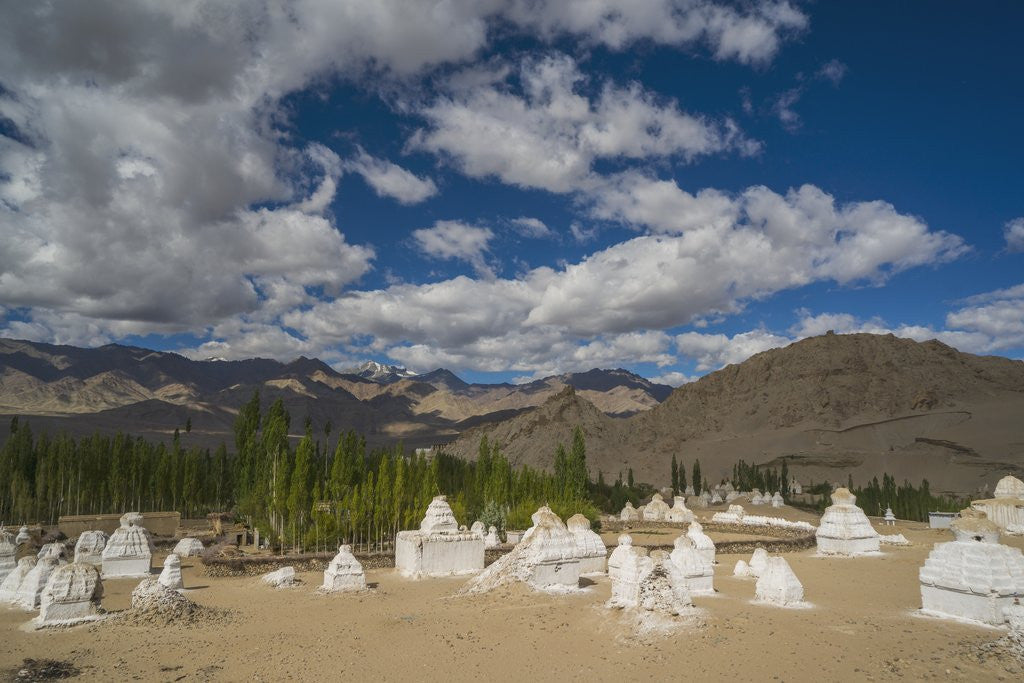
(862, 626)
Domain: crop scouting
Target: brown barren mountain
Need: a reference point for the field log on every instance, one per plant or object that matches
(833, 406)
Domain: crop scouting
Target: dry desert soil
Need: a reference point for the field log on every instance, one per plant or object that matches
(863, 625)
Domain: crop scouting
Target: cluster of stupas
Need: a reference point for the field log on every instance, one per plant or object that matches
(439, 547)
(845, 529)
(737, 515)
(658, 511)
(1006, 509)
(776, 583)
(973, 576)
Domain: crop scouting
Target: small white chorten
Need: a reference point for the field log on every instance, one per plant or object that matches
(778, 585)
(656, 510)
(590, 548)
(89, 547)
(10, 585)
(345, 573)
(679, 512)
(188, 547)
(8, 554)
(890, 517)
(777, 500)
(844, 528)
(72, 595)
(758, 562)
(170, 575)
(701, 542)
(697, 573)
(129, 550)
(491, 540)
(629, 513)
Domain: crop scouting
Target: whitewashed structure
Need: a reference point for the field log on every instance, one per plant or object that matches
(679, 512)
(478, 528)
(23, 536)
(89, 547)
(8, 554)
(438, 548)
(741, 569)
(10, 585)
(30, 590)
(546, 559)
(71, 595)
(778, 585)
(777, 500)
(890, 517)
(619, 555)
(280, 578)
(345, 573)
(716, 498)
(656, 510)
(170, 575)
(795, 487)
(129, 551)
(662, 588)
(590, 548)
(758, 562)
(689, 490)
(697, 574)
(188, 547)
(1006, 510)
(734, 515)
(625, 567)
(491, 540)
(756, 499)
(844, 528)
(973, 576)
(701, 542)
(629, 513)
(704, 499)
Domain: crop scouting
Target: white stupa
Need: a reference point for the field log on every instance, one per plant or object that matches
(89, 547)
(1010, 487)
(734, 515)
(23, 536)
(625, 566)
(345, 573)
(478, 528)
(188, 547)
(973, 576)
(629, 513)
(170, 575)
(129, 550)
(438, 548)
(704, 499)
(545, 559)
(55, 550)
(701, 542)
(679, 512)
(12, 582)
(777, 500)
(491, 540)
(697, 573)
(71, 595)
(8, 554)
(795, 487)
(1006, 510)
(890, 517)
(758, 562)
(590, 548)
(756, 499)
(844, 528)
(656, 510)
(778, 585)
(731, 496)
(689, 491)
(280, 578)
(30, 590)
(716, 498)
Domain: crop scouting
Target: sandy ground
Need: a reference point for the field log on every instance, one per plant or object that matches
(862, 627)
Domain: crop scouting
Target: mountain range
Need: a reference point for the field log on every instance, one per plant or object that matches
(832, 406)
(153, 392)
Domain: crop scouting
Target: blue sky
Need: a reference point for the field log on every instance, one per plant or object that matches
(511, 189)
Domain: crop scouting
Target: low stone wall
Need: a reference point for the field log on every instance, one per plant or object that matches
(257, 565)
(157, 523)
(776, 539)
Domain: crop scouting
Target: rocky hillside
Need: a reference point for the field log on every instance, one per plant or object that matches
(831, 405)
